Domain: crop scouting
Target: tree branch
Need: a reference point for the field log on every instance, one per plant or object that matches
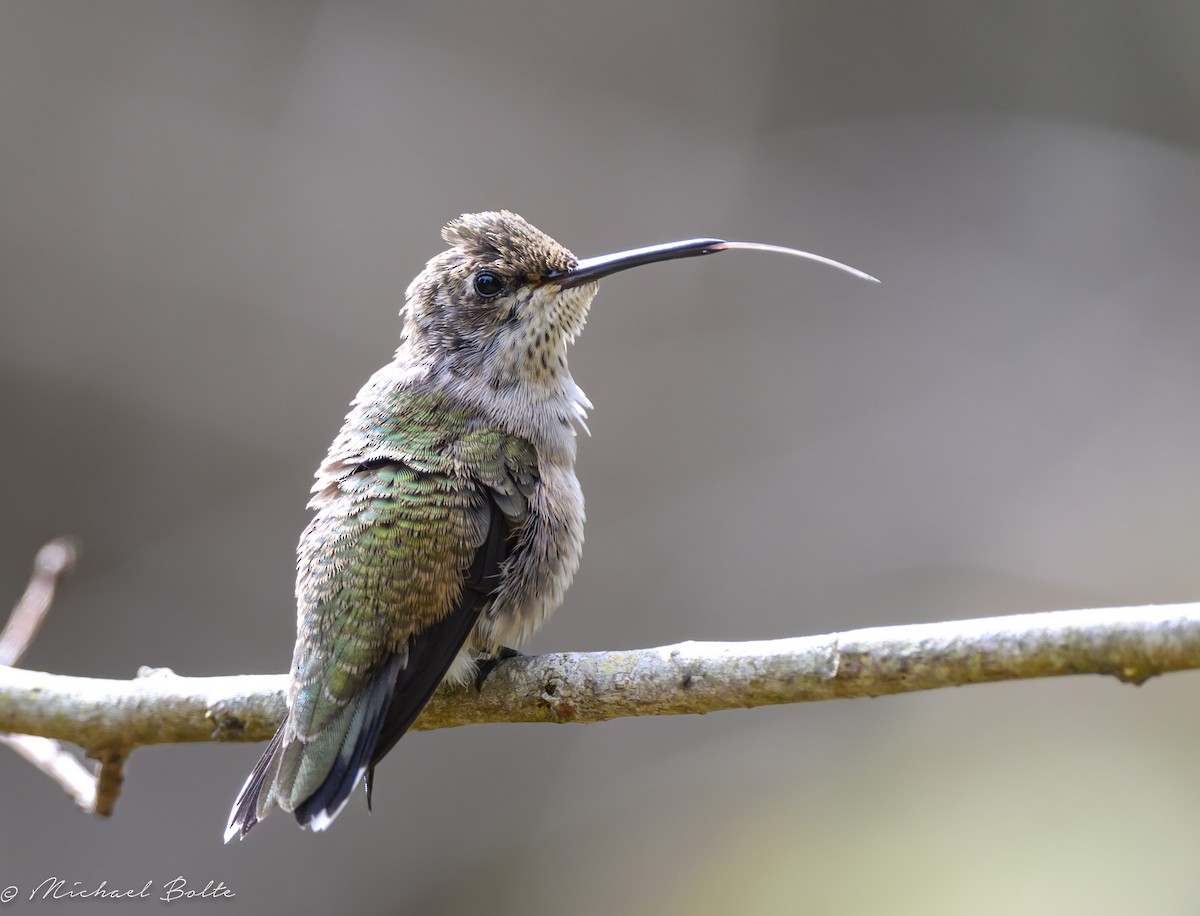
(109, 718)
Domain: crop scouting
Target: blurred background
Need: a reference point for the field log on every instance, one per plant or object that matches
(209, 213)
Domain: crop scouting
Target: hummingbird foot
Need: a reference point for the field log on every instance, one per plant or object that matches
(489, 662)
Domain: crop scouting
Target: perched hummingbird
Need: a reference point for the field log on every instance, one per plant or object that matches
(448, 522)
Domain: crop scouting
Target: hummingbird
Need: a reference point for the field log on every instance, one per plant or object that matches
(448, 521)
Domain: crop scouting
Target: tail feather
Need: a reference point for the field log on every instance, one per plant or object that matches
(349, 765)
(246, 809)
(302, 777)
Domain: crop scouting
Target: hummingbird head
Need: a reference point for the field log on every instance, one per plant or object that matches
(488, 307)
(503, 303)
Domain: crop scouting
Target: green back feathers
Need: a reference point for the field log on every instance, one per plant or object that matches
(402, 508)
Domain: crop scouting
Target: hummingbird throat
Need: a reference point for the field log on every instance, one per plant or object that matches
(534, 348)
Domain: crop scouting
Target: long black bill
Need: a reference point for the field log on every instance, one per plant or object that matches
(590, 269)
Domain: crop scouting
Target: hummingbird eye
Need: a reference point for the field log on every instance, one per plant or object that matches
(488, 285)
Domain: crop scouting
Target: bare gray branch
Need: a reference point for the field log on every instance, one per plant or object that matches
(110, 718)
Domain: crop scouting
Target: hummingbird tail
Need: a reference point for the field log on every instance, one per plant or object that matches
(354, 749)
(288, 762)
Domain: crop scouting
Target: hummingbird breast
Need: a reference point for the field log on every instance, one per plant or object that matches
(542, 564)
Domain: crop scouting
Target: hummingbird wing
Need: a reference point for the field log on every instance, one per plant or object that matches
(433, 650)
(403, 687)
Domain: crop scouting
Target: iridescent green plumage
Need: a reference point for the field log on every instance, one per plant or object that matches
(404, 504)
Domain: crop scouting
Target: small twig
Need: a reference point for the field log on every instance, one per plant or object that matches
(59, 764)
(108, 783)
(53, 561)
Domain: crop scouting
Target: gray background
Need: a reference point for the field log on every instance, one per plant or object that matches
(208, 214)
